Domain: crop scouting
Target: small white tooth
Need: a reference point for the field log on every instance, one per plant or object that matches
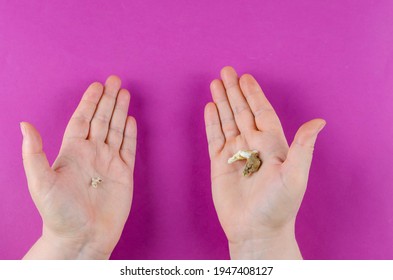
(95, 181)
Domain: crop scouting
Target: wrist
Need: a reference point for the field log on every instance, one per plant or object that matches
(75, 248)
(51, 246)
(279, 244)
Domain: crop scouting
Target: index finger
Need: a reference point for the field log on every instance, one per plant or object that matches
(79, 124)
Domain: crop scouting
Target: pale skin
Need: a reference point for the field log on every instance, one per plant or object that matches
(258, 212)
(79, 221)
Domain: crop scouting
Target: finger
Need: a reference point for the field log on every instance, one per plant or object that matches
(102, 117)
(297, 164)
(227, 119)
(265, 116)
(118, 122)
(240, 108)
(215, 136)
(128, 147)
(79, 124)
(35, 163)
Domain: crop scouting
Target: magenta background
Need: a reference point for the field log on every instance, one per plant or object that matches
(329, 59)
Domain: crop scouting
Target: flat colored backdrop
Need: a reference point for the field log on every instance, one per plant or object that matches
(329, 59)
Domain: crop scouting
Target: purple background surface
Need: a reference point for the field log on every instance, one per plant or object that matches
(328, 59)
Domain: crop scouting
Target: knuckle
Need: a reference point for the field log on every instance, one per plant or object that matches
(116, 130)
(101, 118)
(240, 109)
(263, 110)
(228, 120)
(229, 126)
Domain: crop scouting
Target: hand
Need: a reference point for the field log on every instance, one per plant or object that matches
(80, 221)
(257, 212)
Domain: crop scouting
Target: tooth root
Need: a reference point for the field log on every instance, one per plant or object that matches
(236, 157)
(242, 155)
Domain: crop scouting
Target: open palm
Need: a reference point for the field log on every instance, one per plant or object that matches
(99, 141)
(241, 118)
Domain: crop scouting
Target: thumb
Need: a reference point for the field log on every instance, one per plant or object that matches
(298, 162)
(34, 159)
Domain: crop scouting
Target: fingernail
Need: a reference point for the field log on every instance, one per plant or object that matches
(22, 129)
